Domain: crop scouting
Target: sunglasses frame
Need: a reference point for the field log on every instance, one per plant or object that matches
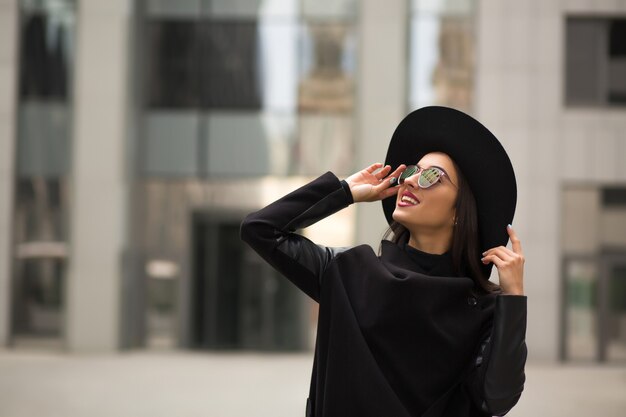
(419, 170)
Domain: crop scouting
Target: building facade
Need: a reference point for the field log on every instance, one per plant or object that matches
(136, 135)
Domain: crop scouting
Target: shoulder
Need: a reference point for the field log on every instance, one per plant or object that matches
(361, 254)
(353, 257)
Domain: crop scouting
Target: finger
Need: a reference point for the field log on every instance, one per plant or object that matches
(387, 182)
(393, 177)
(515, 242)
(503, 253)
(399, 170)
(493, 258)
(373, 167)
(383, 172)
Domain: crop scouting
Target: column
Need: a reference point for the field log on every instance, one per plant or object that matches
(99, 185)
(8, 85)
(382, 97)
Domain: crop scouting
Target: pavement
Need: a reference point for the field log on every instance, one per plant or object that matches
(182, 383)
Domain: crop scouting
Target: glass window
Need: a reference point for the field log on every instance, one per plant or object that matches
(327, 68)
(241, 302)
(594, 274)
(171, 143)
(249, 144)
(278, 62)
(595, 61)
(324, 144)
(584, 44)
(613, 196)
(220, 65)
(235, 90)
(329, 9)
(442, 53)
(615, 322)
(237, 9)
(251, 62)
(222, 9)
(173, 69)
(326, 94)
(617, 61)
(443, 6)
(44, 120)
(581, 282)
(46, 49)
(44, 145)
(40, 295)
(40, 257)
(230, 78)
(161, 299)
(179, 9)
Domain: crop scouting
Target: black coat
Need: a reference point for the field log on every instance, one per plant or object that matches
(391, 340)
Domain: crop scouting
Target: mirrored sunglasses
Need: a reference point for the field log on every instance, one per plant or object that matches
(428, 177)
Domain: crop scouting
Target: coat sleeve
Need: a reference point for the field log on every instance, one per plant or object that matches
(270, 231)
(497, 377)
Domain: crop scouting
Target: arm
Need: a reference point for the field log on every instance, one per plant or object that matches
(497, 379)
(269, 231)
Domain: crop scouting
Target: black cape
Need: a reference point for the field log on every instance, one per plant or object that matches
(397, 334)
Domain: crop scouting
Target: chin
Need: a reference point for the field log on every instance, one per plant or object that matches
(397, 218)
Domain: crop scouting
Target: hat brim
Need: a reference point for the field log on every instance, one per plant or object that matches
(478, 153)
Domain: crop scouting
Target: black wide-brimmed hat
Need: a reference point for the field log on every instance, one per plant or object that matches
(478, 153)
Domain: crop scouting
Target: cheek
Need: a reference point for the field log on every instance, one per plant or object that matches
(442, 200)
(440, 206)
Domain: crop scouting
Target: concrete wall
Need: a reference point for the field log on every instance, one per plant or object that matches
(8, 83)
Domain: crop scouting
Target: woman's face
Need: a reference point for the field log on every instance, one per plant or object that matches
(436, 207)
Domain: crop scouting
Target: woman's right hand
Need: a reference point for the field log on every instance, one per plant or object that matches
(366, 185)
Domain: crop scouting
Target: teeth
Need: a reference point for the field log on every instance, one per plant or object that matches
(409, 199)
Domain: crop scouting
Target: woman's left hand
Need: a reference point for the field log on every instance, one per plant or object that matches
(510, 264)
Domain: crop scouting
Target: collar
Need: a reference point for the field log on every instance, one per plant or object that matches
(396, 254)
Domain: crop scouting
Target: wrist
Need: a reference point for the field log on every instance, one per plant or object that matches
(346, 188)
(513, 292)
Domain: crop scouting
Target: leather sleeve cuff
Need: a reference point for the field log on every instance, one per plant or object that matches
(505, 377)
(346, 188)
(318, 199)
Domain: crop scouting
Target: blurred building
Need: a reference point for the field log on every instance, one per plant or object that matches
(136, 135)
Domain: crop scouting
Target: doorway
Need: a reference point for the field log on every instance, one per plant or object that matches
(594, 308)
(612, 307)
(238, 300)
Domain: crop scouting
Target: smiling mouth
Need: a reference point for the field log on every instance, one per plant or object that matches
(407, 199)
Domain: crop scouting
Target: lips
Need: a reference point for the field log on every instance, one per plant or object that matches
(408, 199)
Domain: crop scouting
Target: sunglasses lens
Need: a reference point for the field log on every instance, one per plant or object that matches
(410, 170)
(429, 177)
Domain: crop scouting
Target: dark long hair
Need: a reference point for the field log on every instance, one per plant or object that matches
(465, 251)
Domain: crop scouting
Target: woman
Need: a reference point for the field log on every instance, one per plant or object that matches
(418, 329)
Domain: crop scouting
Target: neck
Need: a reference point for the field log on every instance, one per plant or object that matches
(436, 245)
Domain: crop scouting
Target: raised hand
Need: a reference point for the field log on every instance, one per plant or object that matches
(510, 264)
(368, 185)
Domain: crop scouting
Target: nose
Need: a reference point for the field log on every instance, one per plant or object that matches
(412, 180)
